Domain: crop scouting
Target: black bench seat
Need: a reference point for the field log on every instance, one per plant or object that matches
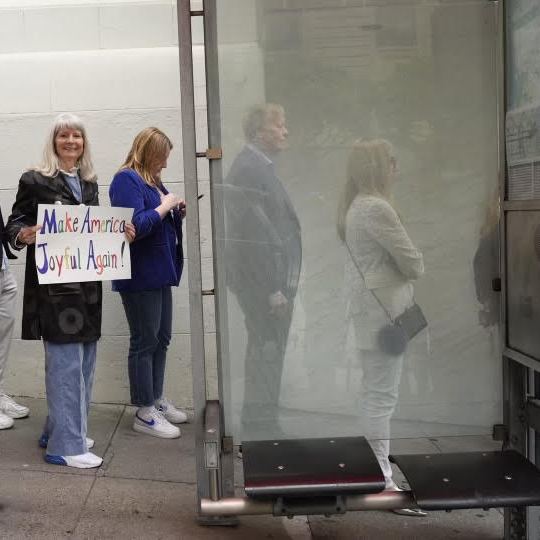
(343, 466)
(471, 480)
(310, 467)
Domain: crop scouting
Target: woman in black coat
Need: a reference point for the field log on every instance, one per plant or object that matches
(66, 316)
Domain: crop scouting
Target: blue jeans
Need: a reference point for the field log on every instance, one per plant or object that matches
(149, 315)
(69, 375)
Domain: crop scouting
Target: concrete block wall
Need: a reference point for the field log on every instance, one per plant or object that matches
(116, 65)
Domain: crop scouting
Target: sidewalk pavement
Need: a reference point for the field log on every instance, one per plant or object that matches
(146, 489)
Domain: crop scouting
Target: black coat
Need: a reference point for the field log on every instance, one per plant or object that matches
(263, 248)
(64, 312)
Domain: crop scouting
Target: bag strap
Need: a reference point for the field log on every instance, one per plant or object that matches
(387, 313)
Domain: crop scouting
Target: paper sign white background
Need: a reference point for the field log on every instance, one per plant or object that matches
(88, 244)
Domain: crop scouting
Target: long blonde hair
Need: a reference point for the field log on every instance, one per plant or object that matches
(149, 146)
(369, 170)
(50, 163)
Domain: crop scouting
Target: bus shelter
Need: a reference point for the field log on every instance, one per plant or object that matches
(359, 151)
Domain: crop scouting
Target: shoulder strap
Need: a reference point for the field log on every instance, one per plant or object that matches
(370, 290)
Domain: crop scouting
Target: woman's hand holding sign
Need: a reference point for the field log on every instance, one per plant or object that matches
(130, 232)
(27, 235)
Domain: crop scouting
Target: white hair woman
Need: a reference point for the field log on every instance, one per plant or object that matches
(67, 140)
(66, 316)
(382, 265)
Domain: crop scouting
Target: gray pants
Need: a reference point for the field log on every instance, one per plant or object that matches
(8, 299)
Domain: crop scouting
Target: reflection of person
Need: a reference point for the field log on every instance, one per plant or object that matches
(263, 259)
(67, 316)
(9, 408)
(486, 266)
(383, 262)
(156, 266)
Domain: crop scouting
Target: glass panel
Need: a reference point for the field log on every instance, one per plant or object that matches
(523, 159)
(523, 255)
(523, 96)
(384, 117)
(523, 65)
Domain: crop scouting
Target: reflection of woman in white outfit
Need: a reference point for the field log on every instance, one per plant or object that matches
(383, 262)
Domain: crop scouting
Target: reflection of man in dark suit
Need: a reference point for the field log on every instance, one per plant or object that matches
(263, 259)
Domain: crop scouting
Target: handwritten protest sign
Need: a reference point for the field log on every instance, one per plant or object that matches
(82, 243)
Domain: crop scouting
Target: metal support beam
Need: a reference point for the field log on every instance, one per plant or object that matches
(515, 377)
(193, 238)
(212, 447)
(214, 155)
(235, 506)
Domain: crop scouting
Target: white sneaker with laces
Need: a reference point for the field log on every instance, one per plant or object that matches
(170, 412)
(11, 408)
(154, 423)
(5, 421)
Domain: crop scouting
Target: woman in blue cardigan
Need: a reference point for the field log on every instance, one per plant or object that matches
(156, 266)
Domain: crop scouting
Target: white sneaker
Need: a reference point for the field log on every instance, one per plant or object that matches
(5, 421)
(170, 412)
(154, 423)
(81, 461)
(412, 512)
(11, 408)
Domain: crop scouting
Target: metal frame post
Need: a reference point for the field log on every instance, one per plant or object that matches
(193, 240)
(215, 471)
(213, 108)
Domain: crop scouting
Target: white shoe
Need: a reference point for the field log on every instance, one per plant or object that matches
(154, 423)
(170, 412)
(81, 461)
(11, 408)
(411, 512)
(5, 421)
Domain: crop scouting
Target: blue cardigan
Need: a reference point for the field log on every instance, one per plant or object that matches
(157, 257)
